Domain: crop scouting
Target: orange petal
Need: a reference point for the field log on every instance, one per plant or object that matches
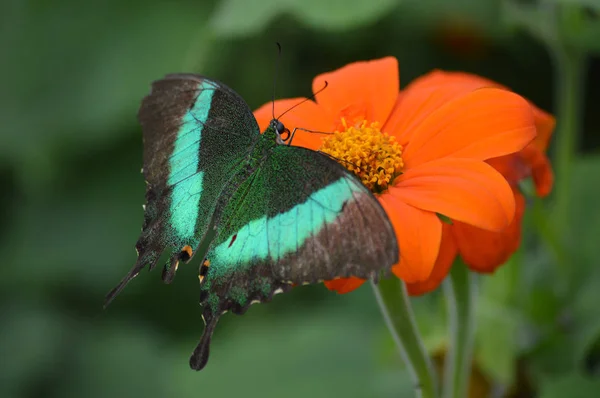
(344, 285)
(419, 234)
(511, 167)
(541, 170)
(530, 162)
(360, 91)
(449, 85)
(544, 123)
(307, 115)
(439, 77)
(442, 265)
(463, 189)
(482, 124)
(425, 95)
(484, 251)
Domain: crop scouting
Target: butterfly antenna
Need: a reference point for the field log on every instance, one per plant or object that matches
(277, 61)
(303, 101)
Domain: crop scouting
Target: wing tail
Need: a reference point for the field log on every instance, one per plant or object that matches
(199, 357)
(144, 258)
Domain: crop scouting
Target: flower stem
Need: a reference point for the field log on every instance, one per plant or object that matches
(570, 66)
(460, 291)
(394, 303)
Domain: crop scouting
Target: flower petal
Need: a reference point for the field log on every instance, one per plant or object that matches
(446, 256)
(482, 124)
(530, 162)
(360, 91)
(457, 82)
(544, 123)
(308, 115)
(419, 234)
(437, 78)
(541, 171)
(425, 95)
(463, 189)
(484, 251)
(344, 285)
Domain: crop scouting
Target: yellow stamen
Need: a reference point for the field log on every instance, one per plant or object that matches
(374, 156)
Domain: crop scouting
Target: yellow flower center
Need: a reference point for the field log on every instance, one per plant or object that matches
(374, 156)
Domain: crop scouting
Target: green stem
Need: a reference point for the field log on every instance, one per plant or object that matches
(461, 292)
(394, 303)
(570, 68)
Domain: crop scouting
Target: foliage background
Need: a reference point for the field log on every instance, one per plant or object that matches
(72, 76)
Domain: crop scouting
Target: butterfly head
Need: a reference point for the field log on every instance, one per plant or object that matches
(283, 133)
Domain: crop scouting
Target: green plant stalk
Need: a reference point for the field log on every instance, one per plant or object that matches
(548, 231)
(394, 303)
(570, 75)
(461, 292)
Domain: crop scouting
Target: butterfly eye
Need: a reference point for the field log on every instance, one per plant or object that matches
(280, 128)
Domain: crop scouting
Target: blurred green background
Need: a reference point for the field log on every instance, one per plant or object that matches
(73, 74)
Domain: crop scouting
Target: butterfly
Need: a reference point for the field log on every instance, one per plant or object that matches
(262, 214)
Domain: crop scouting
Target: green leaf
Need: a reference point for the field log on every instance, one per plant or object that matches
(585, 321)
(536, 21)
(573, 333)
(570, 324)
(564, 23)
(580, 29)
(573, 385)
(497, 346)
(240, 17)
(585, 216)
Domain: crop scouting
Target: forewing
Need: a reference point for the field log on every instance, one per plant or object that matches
(196, 133)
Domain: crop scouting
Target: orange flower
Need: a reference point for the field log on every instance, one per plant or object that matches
(481, 250)
(422, 151)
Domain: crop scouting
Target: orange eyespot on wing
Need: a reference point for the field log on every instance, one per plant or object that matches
(203, 270)
(186, 253)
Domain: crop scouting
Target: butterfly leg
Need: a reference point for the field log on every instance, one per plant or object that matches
(291, 138)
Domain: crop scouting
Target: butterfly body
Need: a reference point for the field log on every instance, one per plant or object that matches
(263, 215)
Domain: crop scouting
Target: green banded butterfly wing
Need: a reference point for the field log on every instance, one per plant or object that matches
(299, 218)
(268, 215)
(192, 146)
